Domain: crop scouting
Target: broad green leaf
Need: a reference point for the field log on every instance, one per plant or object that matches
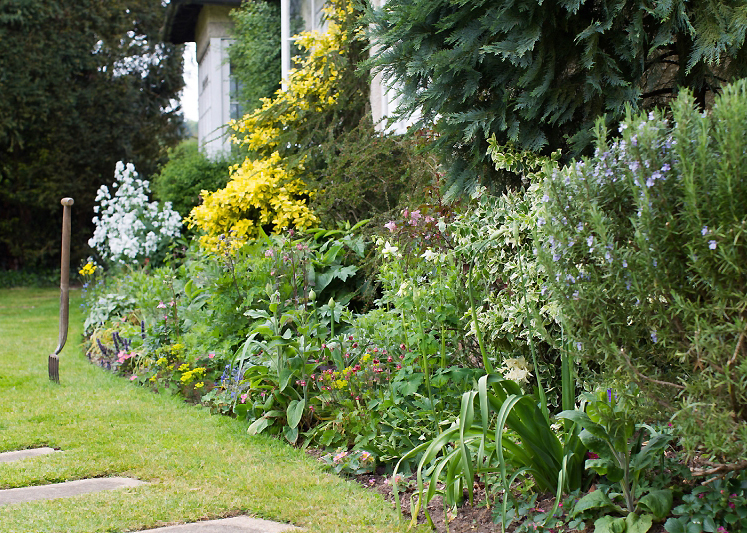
(659, 502)
(609, 524)
(290, 434)
(294, 412)
(593, 500)
(709, 524)
(285, 375)
(638, 524)
(258, 426)
(675, 525)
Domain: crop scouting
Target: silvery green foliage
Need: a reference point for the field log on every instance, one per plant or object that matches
(129, 228)
(645, 247)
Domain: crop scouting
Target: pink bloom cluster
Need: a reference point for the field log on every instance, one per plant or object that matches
(123, 356)
(411, 217)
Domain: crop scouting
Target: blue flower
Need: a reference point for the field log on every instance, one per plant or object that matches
(704, 231)
(654, 337)
(712, 245)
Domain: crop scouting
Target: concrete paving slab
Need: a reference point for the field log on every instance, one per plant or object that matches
(237, 524)
(7, 457)
(65, 490)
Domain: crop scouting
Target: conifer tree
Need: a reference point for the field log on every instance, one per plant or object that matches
(538, 73)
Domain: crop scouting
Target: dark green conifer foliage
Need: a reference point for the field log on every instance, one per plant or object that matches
(538, 73)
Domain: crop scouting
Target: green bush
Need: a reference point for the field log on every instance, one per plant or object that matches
(187, 173)
(645, 252)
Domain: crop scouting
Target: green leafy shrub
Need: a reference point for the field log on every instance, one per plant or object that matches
(187, 173)
(497, 67)
(644, 250)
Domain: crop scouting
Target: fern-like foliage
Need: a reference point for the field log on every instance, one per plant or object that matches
(539, 73)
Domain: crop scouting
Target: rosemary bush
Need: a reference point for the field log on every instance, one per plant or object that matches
(644, 249)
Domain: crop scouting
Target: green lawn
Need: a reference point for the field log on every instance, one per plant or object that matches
(197, 465)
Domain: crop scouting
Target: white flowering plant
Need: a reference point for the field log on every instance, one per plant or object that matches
(129, 228)
(644, 246)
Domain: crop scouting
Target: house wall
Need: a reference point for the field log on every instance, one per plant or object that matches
(213, 38)
(384, 99)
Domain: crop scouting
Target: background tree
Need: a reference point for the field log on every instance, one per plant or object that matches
(537, 74)
(82, 85)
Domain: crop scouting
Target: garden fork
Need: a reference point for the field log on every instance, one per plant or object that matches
(54, 360)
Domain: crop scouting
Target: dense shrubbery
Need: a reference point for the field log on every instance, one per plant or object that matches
(523, 336)
(188, 173)
(644, 250)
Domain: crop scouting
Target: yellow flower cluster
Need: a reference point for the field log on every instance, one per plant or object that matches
(191, 375)
(311, 87)
(88, 270)
(260, 193)
(264, 190)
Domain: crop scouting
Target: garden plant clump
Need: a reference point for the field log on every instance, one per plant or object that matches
(570, 354)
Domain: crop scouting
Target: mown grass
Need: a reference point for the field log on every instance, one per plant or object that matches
(197, 465)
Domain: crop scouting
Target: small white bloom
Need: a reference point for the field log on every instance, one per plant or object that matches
(390, 251)
(430, 255)
(516, 369)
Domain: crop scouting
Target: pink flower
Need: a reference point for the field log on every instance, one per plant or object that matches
(592, 455)
(133, 377)
(391, 226)
(211, 356)
(161, 305)
(244, 397)
(269, 253)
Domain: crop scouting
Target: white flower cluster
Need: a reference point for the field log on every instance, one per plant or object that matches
(516, 369)
(128, 227)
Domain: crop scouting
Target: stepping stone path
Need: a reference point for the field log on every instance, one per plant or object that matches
(7, 457)
(238, 524)
(65, 490)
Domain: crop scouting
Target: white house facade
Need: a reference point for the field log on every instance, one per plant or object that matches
(208, 25)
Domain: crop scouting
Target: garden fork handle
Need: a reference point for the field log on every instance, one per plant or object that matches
(64, 290)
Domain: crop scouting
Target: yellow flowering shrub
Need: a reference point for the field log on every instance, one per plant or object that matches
(260, 193)
(266, 190)
(312, 87)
